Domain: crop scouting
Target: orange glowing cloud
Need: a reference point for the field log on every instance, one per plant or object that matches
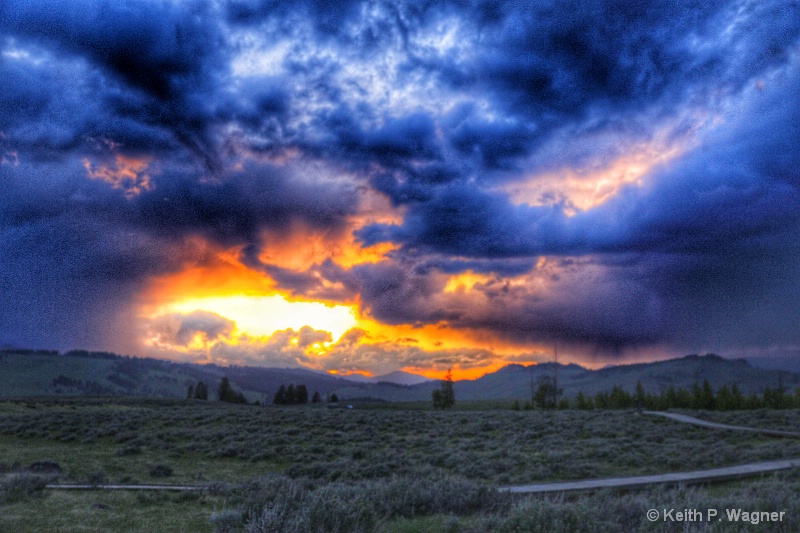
(457, 372)
(470, 352)
(265, 318)
(362, 373)
(249, 315)
(217, 273)
(586, 188)
(301, 247)
(465, 281)
(126, 173)
(219, 284)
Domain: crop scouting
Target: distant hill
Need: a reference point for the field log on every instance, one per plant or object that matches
(779, 362)
(402, 378)
(398, 377)
(514, 381)
(35, 373)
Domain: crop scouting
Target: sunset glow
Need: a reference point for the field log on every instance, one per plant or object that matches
(259, 316)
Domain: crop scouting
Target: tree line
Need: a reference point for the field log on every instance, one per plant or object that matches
(291, 395)
(225, 392)
(700, 396)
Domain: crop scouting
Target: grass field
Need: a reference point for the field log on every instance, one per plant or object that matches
(273, 468)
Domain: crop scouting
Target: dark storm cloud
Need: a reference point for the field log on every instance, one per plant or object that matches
(722, 230)
(399, 294)
(343, 284)
(567, 61)
(436, 106)
(326, 16)
(91, 81)
(505, 267)
(37, 120)
(617, 56)
(465, 220)
(394, 144)
(611, 68)
(156, 47)
(705, 253)
(608, 65)
(166, 53)
(495, 143)
(233, 209)
(73, 247)
(686, 242)
(581, 302)
(69, 268)
(552, 80)
(738, 191)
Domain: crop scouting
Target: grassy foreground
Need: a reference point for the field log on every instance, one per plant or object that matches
(318, 469)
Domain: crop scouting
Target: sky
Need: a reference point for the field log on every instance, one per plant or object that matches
(362, 187)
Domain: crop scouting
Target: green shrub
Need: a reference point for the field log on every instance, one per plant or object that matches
(129, 450)
(227, 521)
(152, 497)
(98, 477)
(20, 487)
(281, 504)
(160, 470)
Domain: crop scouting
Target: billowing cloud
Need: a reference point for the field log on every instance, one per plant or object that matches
(616, 178)
(199, 328)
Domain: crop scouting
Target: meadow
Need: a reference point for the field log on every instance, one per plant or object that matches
(311, 468)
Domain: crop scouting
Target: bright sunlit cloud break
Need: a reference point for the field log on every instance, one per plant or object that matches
(259, 316)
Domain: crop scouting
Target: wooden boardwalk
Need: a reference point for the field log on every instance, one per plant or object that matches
(673, 478)
(106, 486)
(704, 423)
(628, 483)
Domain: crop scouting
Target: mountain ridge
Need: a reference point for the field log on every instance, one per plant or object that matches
(42, 372)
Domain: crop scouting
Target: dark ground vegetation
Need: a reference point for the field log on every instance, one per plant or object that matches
(311, 468)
